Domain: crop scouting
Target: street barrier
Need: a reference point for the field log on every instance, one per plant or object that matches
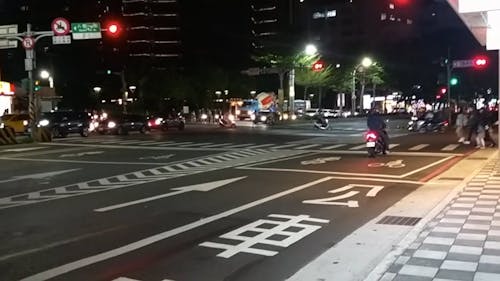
(43, 135)
(7, 136)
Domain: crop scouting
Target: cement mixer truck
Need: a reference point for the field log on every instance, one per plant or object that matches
(262, 108)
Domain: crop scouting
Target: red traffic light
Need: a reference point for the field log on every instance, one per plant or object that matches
(443, 90)
(114, 29)
(318, 66)
(480, 62)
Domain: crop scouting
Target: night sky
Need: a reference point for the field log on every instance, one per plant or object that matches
(212, 32)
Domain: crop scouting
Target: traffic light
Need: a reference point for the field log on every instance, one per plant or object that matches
(443, 90)
(108, 72)
(453, 81)
(480, 62)
(318, 66)
(37, 86)
(114, 29)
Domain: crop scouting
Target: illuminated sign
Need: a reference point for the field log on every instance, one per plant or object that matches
(6, 89)
(326, 14)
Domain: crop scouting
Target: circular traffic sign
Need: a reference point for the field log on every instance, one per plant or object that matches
(28, 43)
(60, 26)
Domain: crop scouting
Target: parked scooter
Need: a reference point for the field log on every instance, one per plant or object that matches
(374, 143)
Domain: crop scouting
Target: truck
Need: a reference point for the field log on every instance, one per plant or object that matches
(264, 104)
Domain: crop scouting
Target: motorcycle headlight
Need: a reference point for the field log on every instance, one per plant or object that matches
(252, 117)
(44, 122)
(204, 116)
(158, 121)
(285, 116)
(263, 118)
(294, 117)
(238, 112)
(216, 116)
(25, 122)
(231, 117)
(111, 124)
(410, 123)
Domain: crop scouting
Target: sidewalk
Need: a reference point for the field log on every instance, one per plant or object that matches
(463, 241)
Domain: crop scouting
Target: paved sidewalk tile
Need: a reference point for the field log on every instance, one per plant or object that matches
(462, 243)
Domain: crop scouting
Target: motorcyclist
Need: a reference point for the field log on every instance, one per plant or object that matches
(320, 117)
(376, 123)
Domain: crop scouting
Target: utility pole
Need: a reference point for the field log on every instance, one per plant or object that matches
(449, 68)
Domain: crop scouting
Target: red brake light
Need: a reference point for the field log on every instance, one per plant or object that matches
(371, 136)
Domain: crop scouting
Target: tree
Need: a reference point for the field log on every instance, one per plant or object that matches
(307, 78)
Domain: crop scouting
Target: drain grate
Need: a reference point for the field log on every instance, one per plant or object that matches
(395, 220)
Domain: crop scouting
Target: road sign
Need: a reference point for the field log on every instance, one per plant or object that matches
(28, 64)
(61, 40)
(463, 63)
(86, 30)
(254, 71)
(6, 30)
(28, 43)
(60, 26)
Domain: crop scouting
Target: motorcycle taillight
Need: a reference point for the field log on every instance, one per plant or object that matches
(371, 136)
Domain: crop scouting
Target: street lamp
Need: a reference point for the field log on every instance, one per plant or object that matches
(366, 62)
(44, 74)
(97, 89)
(310, 50)
(132, 89)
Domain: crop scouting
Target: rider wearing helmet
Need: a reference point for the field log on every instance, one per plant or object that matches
(376, 123)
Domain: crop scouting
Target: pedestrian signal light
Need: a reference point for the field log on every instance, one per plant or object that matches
(453, 81)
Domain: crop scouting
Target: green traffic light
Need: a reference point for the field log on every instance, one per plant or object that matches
(108, 72)
(453, 81)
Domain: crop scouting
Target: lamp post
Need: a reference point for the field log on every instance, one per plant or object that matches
(366, 62)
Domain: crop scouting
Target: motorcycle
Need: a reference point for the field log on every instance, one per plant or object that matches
(229, 123)
(425, 126)
(321, 124)
(374, 143)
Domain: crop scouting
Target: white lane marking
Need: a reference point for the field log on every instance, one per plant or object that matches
(240, 145)
(148, 142)
(167, 156)
(80, 161)
(80, 154)
(450, 147)
(333, 146)
(217, 145)
(361, 146)
(23, 149)
(308, 146)
(39, 176)
(393, 145)
(427, 166)
(286, 145)
(204, 187)
(60, 270)
(177, 143)
(195, 144)
(374, 190)
(418, 147)
(164, 142)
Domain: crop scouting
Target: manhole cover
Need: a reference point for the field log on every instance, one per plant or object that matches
(395, 220)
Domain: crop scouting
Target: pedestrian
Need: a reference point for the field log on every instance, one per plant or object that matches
(480, 134)
(486, 122)
(473, 123)
(460, 124)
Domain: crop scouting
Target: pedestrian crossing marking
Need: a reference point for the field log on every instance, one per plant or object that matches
(418, 147)
(242, 147)
(450, 147)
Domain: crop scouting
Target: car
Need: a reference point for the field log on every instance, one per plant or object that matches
(329, 113)
(122, 124)
(311, 112)
(62, 123)
(165, 122)
(17, 122)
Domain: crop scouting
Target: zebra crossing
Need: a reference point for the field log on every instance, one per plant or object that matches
(269, 146)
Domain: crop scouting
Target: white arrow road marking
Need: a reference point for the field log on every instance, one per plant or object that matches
(39, 176)
(374, 189)
(81, 154)
(63, 269)
(23, 149)
(320, 160)
(178, 190)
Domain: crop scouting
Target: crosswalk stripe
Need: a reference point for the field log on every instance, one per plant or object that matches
(358, 147)
(129, 142)
(308, 146)
(450, 147)
(196, 144)
(217, 145)
(176, 143)
(260, 145)
(192, 163)
(333, 146)
(184, 167)
(165, 142)
(418, 147)
(213, 159)
(393, 145)
(286, 145)
(240, 145)
(147, 142)
(203, 161)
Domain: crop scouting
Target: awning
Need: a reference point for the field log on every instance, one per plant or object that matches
(482, 17)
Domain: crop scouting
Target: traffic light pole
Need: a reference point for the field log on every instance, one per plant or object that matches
(498, 101)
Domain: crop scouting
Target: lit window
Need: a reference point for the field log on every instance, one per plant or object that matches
(331, 13)
(391, 6)
(383, 16)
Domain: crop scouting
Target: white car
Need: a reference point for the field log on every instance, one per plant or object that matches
(329, 113)
(311, 112)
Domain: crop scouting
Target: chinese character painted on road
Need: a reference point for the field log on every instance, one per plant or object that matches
(280, 231)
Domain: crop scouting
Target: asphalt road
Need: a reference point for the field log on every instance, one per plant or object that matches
(206, 203)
